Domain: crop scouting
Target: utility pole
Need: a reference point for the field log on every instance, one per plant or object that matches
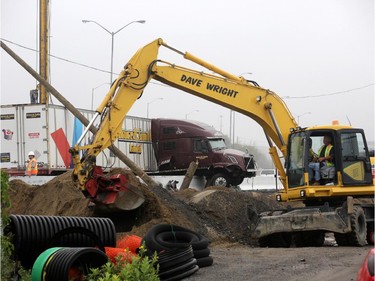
(43, 47)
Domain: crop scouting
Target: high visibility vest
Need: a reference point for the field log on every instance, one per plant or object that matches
(326, 154)
(32, 167)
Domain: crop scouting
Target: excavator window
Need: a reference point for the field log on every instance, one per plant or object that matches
(352, 145)
(297, 158)
(355, 161)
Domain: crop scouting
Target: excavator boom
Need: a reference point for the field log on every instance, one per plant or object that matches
(222, 88)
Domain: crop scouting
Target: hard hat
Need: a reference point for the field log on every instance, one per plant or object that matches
(31, 153)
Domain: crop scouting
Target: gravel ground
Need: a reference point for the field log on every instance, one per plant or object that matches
(237, 262)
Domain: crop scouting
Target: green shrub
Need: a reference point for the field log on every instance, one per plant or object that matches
(5, 200)
(7, 264)
(142, 268)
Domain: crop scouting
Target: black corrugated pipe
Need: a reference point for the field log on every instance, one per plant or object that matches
(180, 251)
(34, 234)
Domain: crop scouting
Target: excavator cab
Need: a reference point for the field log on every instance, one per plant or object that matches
(342, 202)
(350, 165)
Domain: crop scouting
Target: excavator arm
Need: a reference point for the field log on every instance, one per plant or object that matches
(222, 88)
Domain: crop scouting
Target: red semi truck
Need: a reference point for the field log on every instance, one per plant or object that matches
(177, 143)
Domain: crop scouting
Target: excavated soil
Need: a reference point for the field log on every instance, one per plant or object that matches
(218, 213)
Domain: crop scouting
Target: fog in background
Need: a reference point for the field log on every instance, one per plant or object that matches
(317, 55)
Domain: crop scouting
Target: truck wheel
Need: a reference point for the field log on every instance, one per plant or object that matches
(219, 180)
(357, 237)
(370, 233)
(237, 181)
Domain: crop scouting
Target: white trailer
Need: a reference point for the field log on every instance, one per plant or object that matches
(50, 130)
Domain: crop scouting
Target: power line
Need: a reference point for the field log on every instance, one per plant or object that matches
(69, 61)
(330, 94)
(56, 57)
(105, 71)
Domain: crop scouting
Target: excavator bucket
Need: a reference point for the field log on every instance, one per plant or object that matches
(113, 193)
(125, 200)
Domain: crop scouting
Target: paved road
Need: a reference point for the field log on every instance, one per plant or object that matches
(237, 263)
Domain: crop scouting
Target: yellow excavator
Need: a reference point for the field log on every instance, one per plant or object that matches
(341, 201)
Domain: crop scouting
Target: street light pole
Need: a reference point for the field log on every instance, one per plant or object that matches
(113, 38)
(232, 118)
(298, 116)
(92, 94)
(112, 49)
(187, 114)
(250, 73)
(231, 126)
(148, 104)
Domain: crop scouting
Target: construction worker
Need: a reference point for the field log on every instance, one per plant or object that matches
(32, 166)
(324, 158)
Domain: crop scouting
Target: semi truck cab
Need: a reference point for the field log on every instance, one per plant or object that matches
(177, 143)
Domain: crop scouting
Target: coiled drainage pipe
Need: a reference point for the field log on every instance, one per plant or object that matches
(57, 264)
(180, 251)
(34, 234)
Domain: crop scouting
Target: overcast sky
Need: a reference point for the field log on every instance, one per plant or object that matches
(318, 55)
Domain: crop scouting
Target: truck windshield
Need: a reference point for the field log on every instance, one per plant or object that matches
(217, 144)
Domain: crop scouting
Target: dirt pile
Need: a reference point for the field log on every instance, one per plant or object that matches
(58, 197)
(218, 213)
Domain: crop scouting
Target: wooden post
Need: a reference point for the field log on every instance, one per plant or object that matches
(189, 175)
(138, 171)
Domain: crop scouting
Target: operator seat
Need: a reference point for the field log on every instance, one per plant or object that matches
(327, 174)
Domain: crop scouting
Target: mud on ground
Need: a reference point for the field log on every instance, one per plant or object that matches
(218, 213)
